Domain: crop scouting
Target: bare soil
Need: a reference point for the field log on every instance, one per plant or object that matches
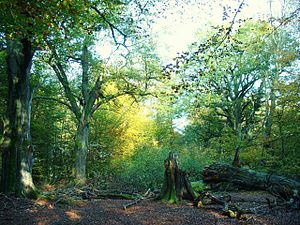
(107, 211)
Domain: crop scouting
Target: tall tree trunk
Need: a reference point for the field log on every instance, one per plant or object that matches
(270, 108)
(269, 121)
(281, 140)
(238, 130)
(81, 149)
(17, 149)
(236, 160)
(83, 109)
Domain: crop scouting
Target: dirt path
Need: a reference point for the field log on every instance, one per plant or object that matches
(147, 212)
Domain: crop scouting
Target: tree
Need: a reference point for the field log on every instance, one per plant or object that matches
(24, 27)
(17, 152)
(3, 91)
(282, 49)
(110, 84)
(52, 128)
(227, 73)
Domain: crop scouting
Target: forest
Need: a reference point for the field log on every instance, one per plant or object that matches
(99, 126)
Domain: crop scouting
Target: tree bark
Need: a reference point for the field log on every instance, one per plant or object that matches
(236, 159)
(17, 148)
(237, 128)
(270, 107)
(250, 179)
(81, 149)
(176, 184)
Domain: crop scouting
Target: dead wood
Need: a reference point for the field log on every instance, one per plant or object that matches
(176, 184)
(292, 204)
(148, 195)
(135, 202)
(245, 178)
(229, 209)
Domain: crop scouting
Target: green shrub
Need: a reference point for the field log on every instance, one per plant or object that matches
(145, 169)
(198, 186)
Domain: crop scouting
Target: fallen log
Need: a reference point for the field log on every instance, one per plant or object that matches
(245, 178)
(91, 195)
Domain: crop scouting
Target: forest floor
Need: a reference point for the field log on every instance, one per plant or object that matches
(108, 211)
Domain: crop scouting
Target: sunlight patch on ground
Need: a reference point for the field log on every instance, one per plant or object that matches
(132, 210)
(42, 223)
(43, 202)
(73, 215)
(215, 214)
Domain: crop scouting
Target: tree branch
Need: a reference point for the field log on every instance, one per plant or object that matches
(62, 77)
(112, 27)
(53, 99)
(231, 24)
(85, 75)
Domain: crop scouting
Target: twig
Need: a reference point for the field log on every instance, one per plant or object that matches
(231, 24)
(112, 28)
(125, 206)
(146, 195)
(147, 192)
(52, 99)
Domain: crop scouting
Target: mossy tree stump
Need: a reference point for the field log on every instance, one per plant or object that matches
(176, 184)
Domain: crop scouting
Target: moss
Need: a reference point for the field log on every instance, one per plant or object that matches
(170, 196)
(198, 186)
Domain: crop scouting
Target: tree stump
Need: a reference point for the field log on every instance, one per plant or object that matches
(176, 184)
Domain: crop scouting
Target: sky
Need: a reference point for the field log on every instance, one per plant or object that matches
(176, 30)
(183, 20)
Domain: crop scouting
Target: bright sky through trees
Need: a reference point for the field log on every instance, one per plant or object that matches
(177, 26)
(177, 29)
(181, 22)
